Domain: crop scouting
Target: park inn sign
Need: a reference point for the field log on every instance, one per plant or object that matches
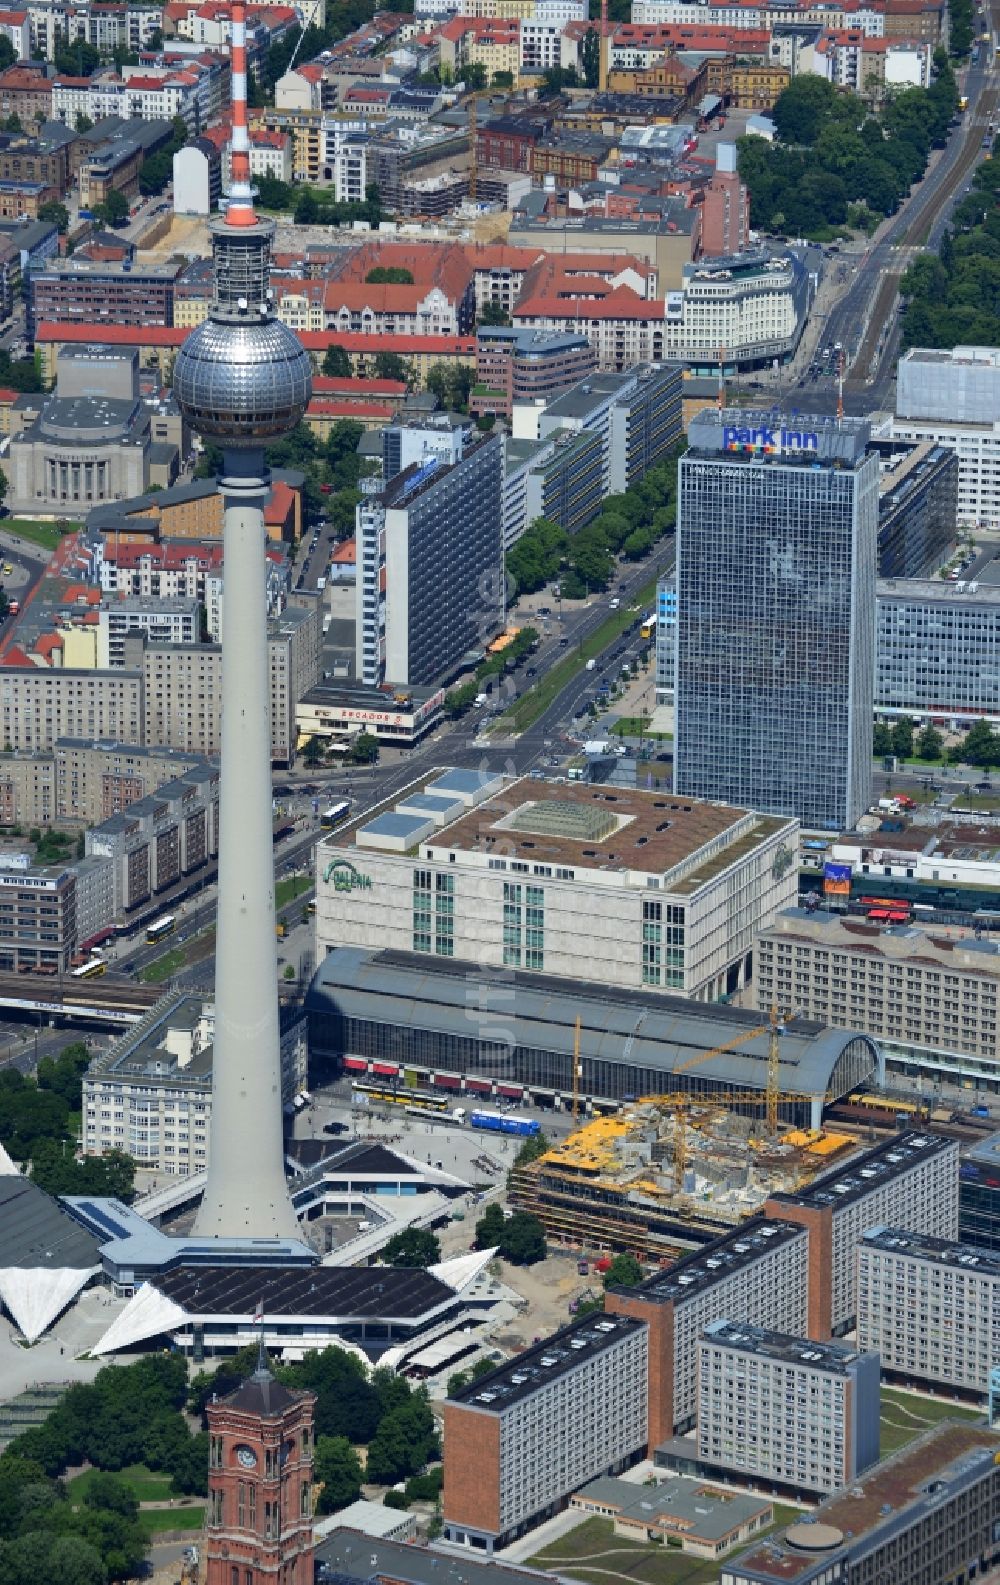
(770, 439)
(345, 877)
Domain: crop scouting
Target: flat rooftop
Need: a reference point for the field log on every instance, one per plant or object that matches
(364, 1292)
(937, 591)
(891, 1158)
(347, 1554)
(835, 1358)
(653, 833)
(691, 1506)
(896, 943)
(889, 1497)
(539, 1366)
(703, 1268)
(938, 1251)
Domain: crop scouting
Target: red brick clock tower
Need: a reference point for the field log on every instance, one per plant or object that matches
(259, 1518)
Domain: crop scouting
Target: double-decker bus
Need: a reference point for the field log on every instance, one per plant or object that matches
(160, 928)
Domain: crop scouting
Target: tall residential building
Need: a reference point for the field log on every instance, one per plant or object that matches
(428, 587)
(759, 1271)
(162, 619)
(910, 1181)
(637, 415)
(952, 398)
(518, 1441)
(785, 1409)
(39, 706)
(930, 1308)
(776, 547)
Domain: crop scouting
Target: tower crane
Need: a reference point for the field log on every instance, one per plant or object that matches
(680, 1102)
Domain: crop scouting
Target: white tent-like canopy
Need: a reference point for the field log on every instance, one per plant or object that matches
(45, 1256)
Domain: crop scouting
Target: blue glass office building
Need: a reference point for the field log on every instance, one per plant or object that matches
(776, 554)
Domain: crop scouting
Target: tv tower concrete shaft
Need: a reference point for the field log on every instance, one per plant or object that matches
(243, 378)
(246, 1193)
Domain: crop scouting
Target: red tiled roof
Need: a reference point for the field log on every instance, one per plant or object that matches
(324, 409)
(312, 71)
(113, 335)
(167, 554)
(280, 502)
(14, 656)
(325, 385)
(346, 554)
(619, 304)
(13, 19)
(47, 643)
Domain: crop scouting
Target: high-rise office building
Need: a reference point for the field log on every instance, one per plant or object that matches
(776, 550)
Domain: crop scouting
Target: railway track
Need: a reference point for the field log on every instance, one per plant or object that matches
(923, 216)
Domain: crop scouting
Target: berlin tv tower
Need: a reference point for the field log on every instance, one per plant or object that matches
(242, 379)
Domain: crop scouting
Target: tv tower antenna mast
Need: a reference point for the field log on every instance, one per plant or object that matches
(243, 379)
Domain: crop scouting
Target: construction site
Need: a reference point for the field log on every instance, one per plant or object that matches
(675, 1169)
(662, 1176)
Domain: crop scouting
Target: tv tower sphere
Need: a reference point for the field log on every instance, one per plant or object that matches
(243, 379)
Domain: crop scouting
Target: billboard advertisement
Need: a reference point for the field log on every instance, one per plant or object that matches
(837, 880)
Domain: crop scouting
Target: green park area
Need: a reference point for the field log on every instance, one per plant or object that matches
(592, 1552)
(906, 1415)
(287, 890)
(47, 535)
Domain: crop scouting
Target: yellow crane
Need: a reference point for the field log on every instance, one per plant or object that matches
(680, 1102)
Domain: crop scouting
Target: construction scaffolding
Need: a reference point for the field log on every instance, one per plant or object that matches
(654, 1182)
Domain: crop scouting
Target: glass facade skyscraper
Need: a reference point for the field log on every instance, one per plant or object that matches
(776, 554)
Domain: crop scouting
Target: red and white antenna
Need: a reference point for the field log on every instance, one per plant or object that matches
(239, 210)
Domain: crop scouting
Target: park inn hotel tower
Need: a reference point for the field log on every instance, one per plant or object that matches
(776, 553)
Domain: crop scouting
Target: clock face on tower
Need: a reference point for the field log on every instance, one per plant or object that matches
(246, 1456)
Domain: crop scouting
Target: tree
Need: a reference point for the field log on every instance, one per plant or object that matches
(40, 1554)
(390, 366)
(274, 194)
(104, 1490)
(902, 738)
(337, 1471)
(306, 209)
(493, 314)
(55, 212)
(590, 57)
(114, 210)
(981, 746)
(413, 1246)
(490, 1227)
(389, 275)
(474, 76)
(623, 1272)
(314, 752)
(523, 1241)
(83, 123)
(881, 739)
(336, 364)
(8, 54)
(404, 1441)
(396, 1499)
(76, 59)
(364, 749)
(930, 743)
